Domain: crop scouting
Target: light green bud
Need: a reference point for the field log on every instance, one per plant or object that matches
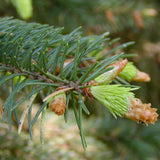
(129, 72)
(106, 77)
(114, 97)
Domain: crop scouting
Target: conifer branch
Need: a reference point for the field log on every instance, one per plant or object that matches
(65, 68)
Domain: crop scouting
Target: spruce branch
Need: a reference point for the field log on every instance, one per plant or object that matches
(64, 68)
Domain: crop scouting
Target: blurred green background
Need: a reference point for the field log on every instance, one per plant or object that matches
(107, 138)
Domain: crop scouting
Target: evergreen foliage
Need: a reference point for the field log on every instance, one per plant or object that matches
(131, 20)
(38, 54)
